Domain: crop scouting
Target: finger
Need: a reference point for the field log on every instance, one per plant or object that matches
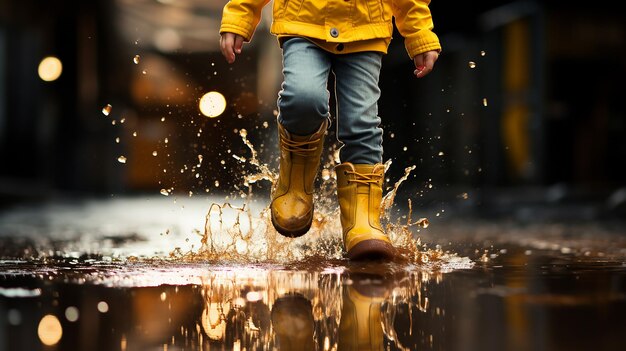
(238, 43)
(223, 47)
(424, 71)
(418, 60)
(428, 60)
(226, 45)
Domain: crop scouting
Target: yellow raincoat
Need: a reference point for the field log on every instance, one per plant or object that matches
(366, 23)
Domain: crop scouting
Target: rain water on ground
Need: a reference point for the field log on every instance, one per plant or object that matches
(151, 273)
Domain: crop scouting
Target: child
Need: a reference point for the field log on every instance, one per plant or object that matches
(347, 38)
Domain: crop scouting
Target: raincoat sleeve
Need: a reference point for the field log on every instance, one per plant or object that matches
(414, 22)
(242, 17)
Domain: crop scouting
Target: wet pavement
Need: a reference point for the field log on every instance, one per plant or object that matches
(135, 274)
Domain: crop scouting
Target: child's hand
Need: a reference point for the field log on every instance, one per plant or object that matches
(424, 63)
(231, 44)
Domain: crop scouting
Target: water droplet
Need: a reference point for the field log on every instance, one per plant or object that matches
(217, 183)
(166, 140)
(265, 124)
(392, 135)
(144, 72)
(154, 153)
(163, 296)
(121, 159)
(134, 134)
(223, 162)
(136, 59)
(197, 175)
(471, 64)
(482, 53)
(106, 110)
(164, 192)
(484, 101)
(325, 174)
(117, 140)
(336, 157)
(404, 148)
(243, 133)
(440, 153)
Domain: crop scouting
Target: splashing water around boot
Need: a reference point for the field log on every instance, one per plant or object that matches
(238, 233)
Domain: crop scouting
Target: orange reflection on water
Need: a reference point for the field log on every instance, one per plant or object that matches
(49, 330)
(253, 308)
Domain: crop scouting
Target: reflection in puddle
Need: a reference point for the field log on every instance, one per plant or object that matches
(199, 306)
(332, 309)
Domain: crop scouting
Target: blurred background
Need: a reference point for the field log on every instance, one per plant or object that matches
(522, 115)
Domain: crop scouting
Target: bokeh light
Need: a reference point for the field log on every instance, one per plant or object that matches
(212, 104)
(103, 307)
(49, 330)
(72, 314)
(50, 69)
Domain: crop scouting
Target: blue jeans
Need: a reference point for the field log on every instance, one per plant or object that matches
(303, 102)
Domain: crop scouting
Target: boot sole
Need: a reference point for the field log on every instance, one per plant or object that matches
(291, 233)
(374, 249)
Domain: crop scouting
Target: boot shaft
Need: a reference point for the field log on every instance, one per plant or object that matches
(299, 159)
(359, 190)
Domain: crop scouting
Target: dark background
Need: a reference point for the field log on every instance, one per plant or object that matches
(539, 122)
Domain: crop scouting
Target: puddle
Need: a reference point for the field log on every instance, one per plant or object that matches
(91, 283)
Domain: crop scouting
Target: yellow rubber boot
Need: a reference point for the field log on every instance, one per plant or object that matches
(292, 195)
(360, 327)
(359, 189)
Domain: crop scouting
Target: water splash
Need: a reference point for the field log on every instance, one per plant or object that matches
(238, 233)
